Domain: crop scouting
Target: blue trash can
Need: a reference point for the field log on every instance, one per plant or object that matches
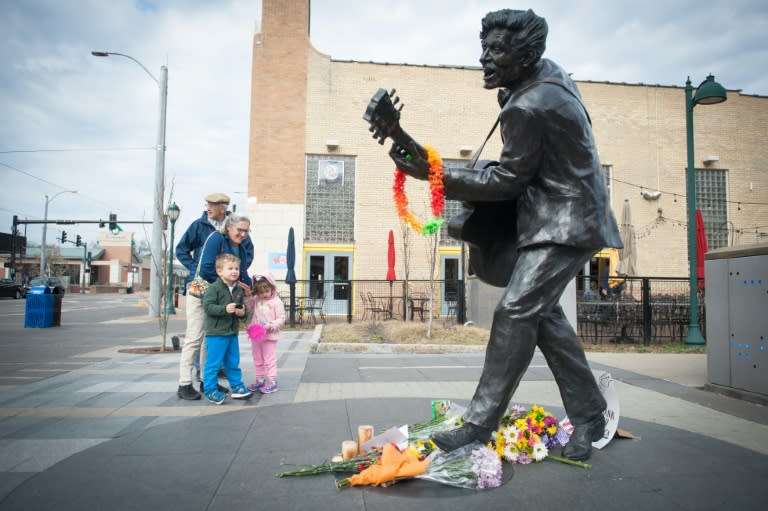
(40, 308)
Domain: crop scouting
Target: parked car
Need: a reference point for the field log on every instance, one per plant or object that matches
(11, 288)
(54, 284)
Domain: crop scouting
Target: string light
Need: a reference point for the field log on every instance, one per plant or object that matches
(675, 195)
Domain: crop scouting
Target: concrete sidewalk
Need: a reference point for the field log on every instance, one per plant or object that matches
(113, 434)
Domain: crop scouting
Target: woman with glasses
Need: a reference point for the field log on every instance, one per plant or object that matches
(233, 238)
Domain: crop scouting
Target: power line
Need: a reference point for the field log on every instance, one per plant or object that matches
(32, 176)
(53, 184)
(84, 149)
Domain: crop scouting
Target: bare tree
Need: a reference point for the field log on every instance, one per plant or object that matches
(164, 277)
(433, 242)
(405, 234)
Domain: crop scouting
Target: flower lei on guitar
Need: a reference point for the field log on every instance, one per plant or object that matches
(436, 191)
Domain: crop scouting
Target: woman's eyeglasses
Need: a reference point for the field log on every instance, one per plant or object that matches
(242, 231)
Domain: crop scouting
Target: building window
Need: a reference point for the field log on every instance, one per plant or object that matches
(452, 208)
(711, 186)
(330, 198)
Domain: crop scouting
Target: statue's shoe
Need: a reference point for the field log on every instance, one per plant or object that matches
(579, 447)
(461, 436)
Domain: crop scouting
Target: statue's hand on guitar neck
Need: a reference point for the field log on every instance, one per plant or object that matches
(384, 120)
(412, 159)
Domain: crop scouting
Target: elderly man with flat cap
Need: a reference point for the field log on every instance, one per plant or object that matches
(188, 252)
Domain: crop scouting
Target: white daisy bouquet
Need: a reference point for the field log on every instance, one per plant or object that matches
(525, 436)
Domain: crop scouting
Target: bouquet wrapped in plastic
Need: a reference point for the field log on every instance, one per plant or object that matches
(393, 466)
(447, 416)
(473, 466)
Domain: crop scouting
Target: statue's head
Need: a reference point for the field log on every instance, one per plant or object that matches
(513, 42)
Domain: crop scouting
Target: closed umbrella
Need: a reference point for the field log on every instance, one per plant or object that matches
(290, 258)
(626, 261)
(290, 276)
(627, 255)
(391, 265)
(391, 257)
(701, 248)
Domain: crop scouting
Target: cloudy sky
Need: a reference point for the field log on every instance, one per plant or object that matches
(71, 121)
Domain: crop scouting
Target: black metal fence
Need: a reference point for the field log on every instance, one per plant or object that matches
(318, 301)
(635, 309)
(621, 310)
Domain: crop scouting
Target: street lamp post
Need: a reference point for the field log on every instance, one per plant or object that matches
(173, 215)
(708, 93)
(45, 228)
(157, 217)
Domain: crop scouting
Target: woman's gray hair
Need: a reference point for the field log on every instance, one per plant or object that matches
(232, 220)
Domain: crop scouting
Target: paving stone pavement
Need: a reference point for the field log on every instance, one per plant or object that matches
(112, 434)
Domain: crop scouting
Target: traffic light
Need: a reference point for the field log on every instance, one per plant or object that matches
(63, 236)
(78, 241)
(112, 222)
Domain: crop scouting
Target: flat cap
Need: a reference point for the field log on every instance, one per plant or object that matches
(217, 198)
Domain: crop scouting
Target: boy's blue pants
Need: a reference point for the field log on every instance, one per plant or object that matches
(223, 351)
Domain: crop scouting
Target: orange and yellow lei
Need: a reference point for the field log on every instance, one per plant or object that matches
(436, 192)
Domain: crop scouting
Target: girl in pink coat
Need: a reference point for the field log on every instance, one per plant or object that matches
(267, 318)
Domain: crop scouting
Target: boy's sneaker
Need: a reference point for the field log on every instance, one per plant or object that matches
(240, 392)
(219, 387)
(269, 388)
(254, 387)
(188, 392)
(216, 397)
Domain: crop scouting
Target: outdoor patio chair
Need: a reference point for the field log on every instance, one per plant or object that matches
(418, 302)
(313, 308)
(375, 308)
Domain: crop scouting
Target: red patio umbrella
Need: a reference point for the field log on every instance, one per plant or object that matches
(701, 248)
(391, 257)
(391, 266)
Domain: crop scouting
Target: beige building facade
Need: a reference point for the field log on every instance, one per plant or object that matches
(313, 165)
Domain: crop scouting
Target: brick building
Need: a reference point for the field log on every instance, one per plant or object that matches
(314, 166)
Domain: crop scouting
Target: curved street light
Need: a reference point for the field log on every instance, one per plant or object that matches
(45, 228)
(155, 283)
(173, 215)
(708, 93)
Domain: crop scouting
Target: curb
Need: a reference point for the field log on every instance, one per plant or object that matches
(316, 334)
(368, 347)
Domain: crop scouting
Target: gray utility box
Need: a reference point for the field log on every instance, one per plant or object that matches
(736, 280)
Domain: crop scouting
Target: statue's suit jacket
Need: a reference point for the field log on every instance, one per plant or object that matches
(549, 165)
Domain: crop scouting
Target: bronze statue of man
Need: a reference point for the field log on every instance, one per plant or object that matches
(549, 178)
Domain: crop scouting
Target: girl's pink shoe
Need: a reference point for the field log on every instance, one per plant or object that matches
(270, 388)
(255, 387)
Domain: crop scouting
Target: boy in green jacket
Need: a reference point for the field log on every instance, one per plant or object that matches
(223, 303)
